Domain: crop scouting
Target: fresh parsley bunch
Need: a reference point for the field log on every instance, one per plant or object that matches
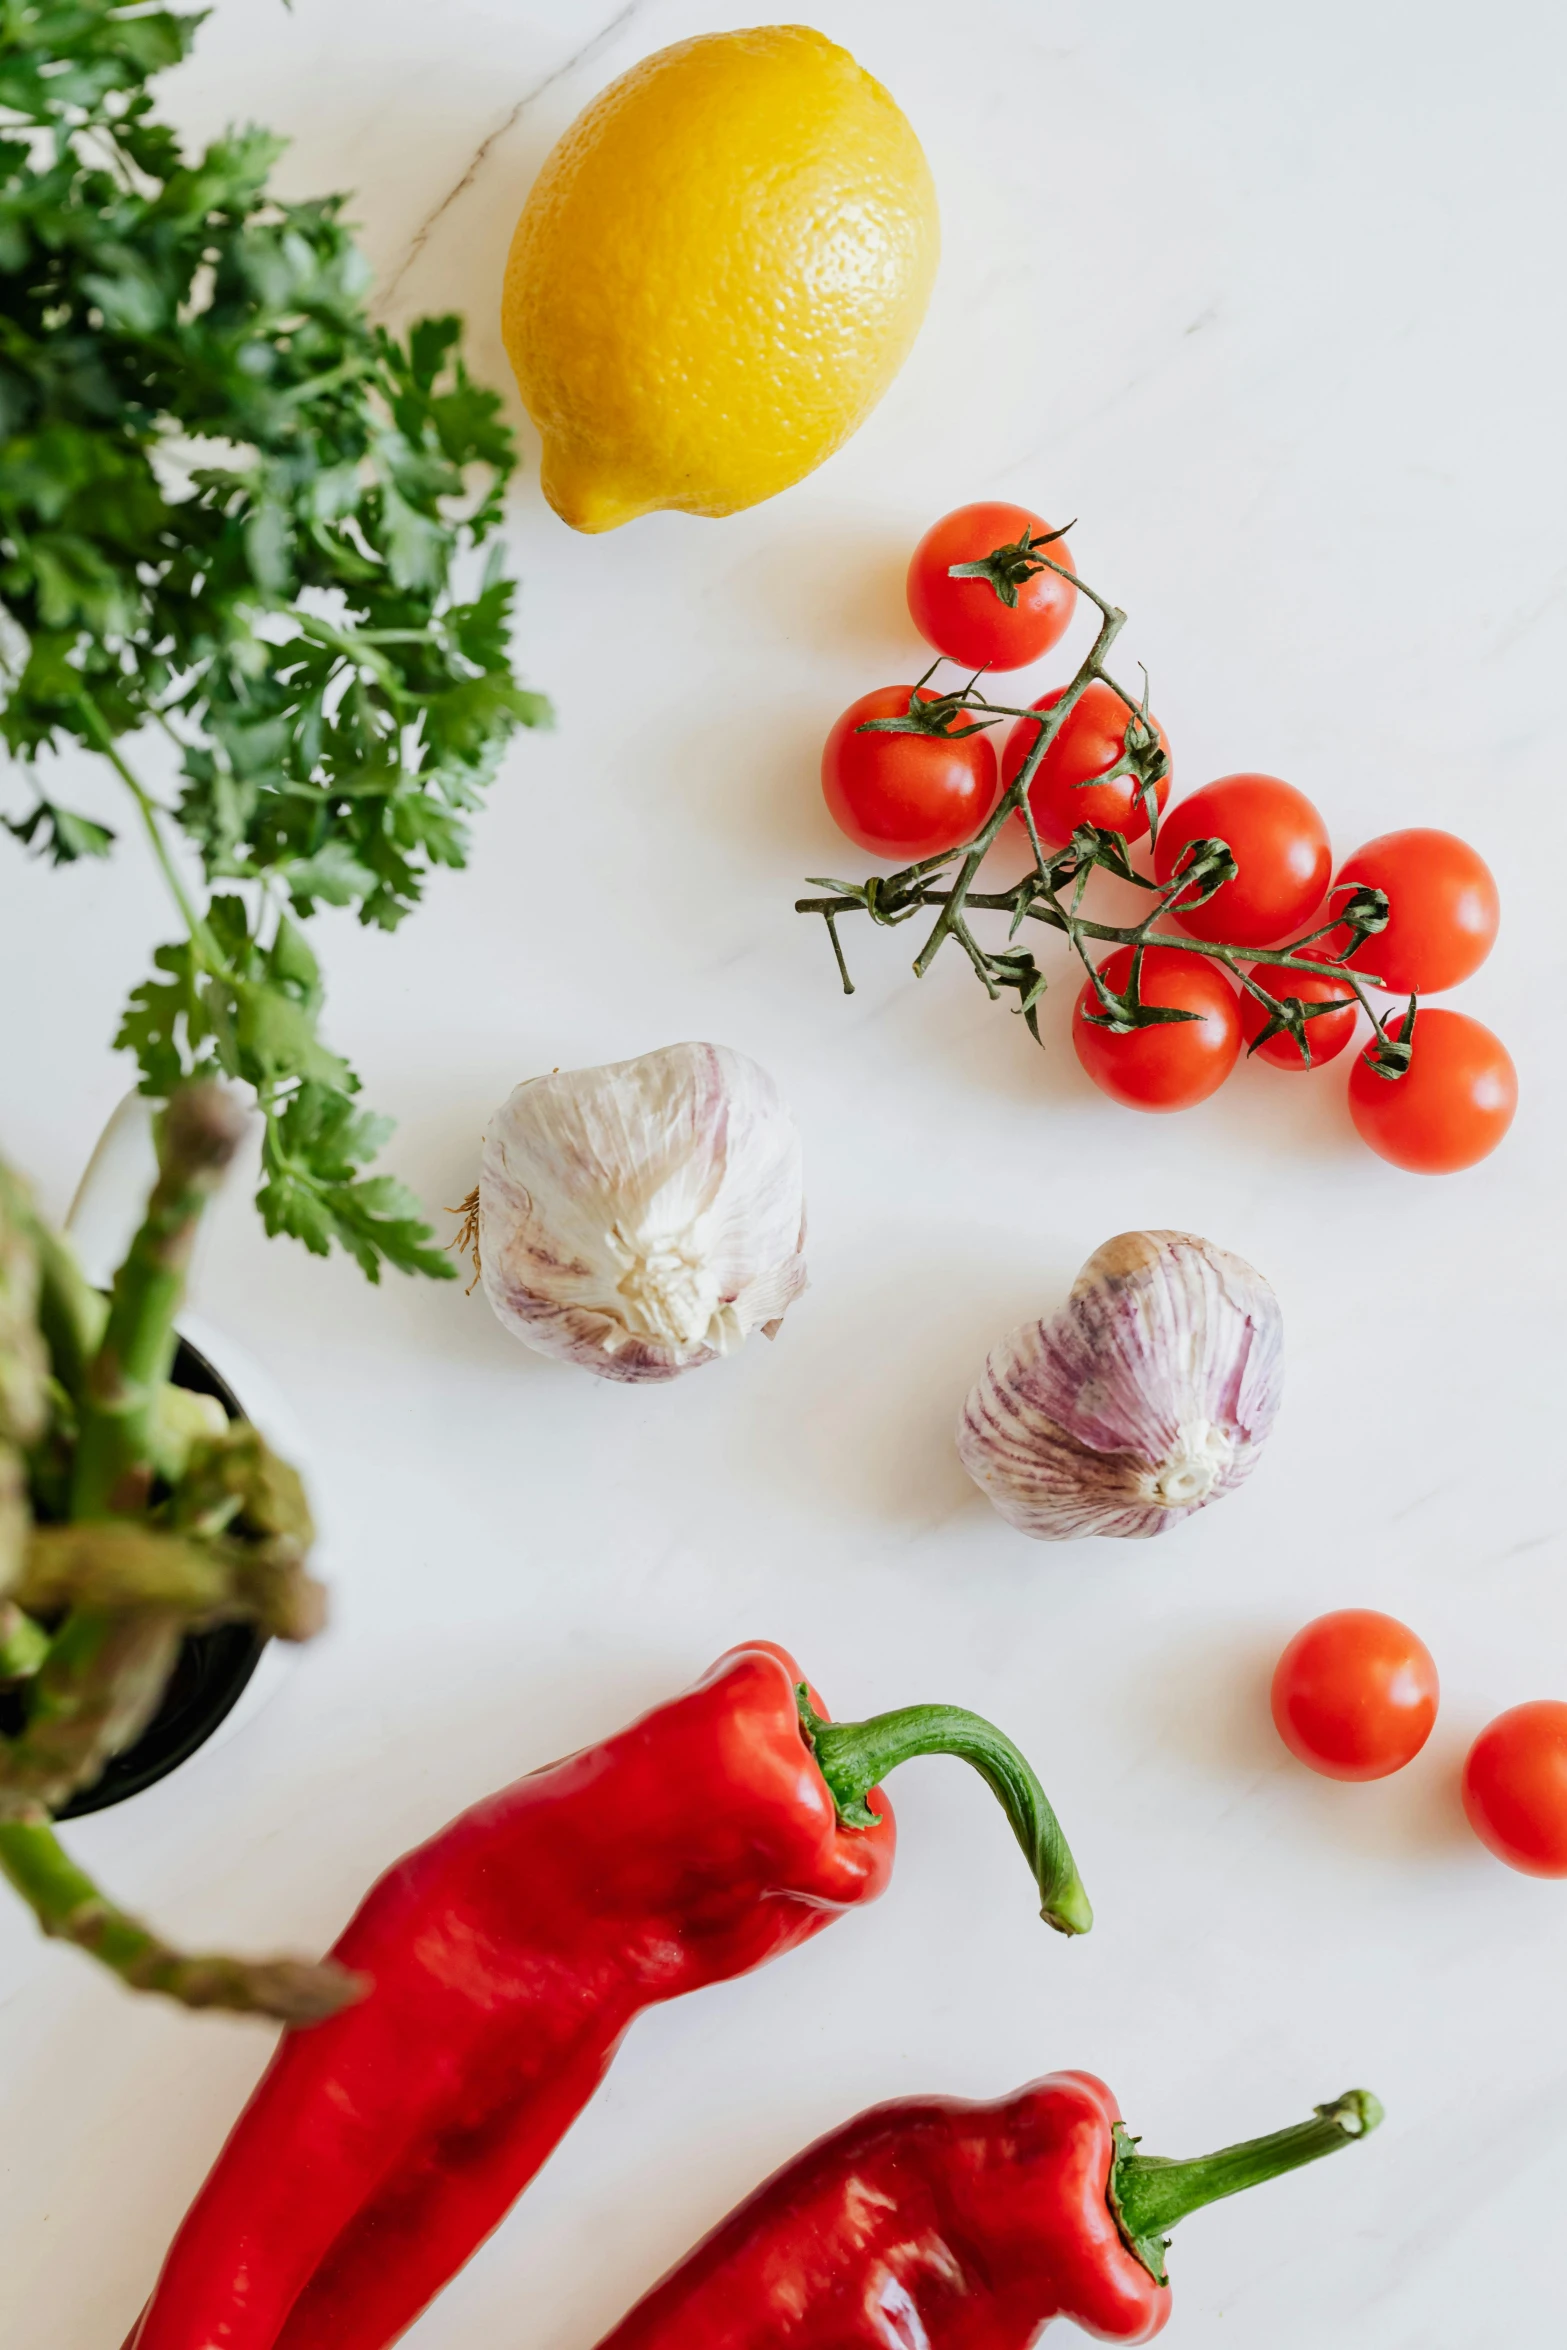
(232, 509)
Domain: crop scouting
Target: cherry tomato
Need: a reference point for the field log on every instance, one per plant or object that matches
(1328, 1034)
(966, 618)
(1515, 1787)
(1278, 841)
(1063, 794)
(1354, 1695)
(906, 795)
(1453, 1103)
(1178, 1063)
(1442, 909)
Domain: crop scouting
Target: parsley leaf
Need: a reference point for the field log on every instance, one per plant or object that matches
(235, 510)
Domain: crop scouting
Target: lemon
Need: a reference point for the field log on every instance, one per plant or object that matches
(718, 272)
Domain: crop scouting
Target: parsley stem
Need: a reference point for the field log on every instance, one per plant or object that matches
(147, 807)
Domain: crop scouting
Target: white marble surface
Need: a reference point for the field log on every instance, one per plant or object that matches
(1270, 299)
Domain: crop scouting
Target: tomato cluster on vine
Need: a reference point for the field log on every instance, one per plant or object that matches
(912, 773)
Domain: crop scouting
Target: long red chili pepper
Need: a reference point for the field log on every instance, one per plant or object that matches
(508, 1956)
(949, 2226)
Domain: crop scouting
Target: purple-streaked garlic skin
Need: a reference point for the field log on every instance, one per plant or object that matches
(1147, 1397)
(643, 1218)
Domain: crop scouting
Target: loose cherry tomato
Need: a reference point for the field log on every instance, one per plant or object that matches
(906, 795)
(1178, 1063)
(1453, 1103)
(1278, 841)
(1354, 1695)
(966, 618)
(1515, 1787)
(1064, 794)
(1327, 1034)
(1442, 909)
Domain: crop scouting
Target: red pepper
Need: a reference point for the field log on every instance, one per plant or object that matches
(508, 1956)
(949, 2226)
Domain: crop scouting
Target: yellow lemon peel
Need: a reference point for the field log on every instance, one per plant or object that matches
(718, 272)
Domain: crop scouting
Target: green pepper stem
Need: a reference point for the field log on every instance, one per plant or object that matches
(854, 1757)
(1149, 2194)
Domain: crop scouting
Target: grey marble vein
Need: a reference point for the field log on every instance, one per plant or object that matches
(426, 229)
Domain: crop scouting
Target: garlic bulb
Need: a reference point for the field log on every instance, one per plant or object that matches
(1148, 1396)
(643, 1218)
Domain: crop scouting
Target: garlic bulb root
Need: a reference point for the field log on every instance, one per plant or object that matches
(643, 1218)
(1147, 1397)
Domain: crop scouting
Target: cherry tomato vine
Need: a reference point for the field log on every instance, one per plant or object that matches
(1052, 890)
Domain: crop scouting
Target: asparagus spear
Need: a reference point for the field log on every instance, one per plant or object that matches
(123, 1526)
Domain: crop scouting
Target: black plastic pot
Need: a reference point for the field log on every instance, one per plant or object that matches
(209, 1678)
